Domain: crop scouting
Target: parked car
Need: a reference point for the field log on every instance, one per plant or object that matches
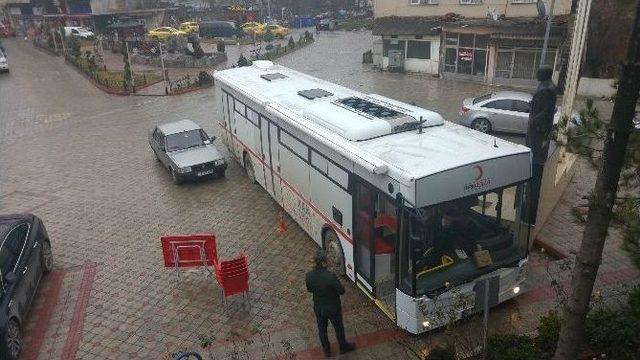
(78, 31)
(4, 63)
(278, 30)
(504, 111)
(252, 28)
(187, 151)
(25, 255)
(190, 27)
(163, 33)
(223, 29)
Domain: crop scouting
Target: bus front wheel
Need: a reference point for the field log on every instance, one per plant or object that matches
(335, 254)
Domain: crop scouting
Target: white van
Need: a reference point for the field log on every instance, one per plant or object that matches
(78, 31)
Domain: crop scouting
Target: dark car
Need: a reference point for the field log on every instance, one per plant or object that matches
(25, 255)
(215, 29)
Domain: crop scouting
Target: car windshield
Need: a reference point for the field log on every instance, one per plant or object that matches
(186, 139)
(482, 98)
(445, 240)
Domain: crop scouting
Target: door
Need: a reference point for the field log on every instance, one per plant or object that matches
(363, 233)
(266, 154)
(26, 276)
(501, 115)
(521, 119)
(275, 161)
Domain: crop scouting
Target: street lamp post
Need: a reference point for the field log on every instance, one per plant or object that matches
(164, 73)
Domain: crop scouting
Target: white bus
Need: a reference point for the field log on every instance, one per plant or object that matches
(403, 201)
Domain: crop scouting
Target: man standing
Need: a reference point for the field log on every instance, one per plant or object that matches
(326, 290)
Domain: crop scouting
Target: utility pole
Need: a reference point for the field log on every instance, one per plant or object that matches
(547, 32)
(164, 73)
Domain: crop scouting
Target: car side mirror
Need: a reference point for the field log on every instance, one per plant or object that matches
(11, 277)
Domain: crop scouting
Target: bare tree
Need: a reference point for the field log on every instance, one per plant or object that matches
(614, 158)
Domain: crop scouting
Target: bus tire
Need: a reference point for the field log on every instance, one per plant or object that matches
(335, 255)
(248, 166)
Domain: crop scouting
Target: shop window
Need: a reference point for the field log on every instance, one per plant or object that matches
(479, 62)
(466, 40)
(465, 60)
(450, 59)
(452, 39)
(482, 41)
(419, 49)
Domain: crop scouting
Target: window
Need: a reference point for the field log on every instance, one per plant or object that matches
(466, 53)
(392, 45)
(521, 106)
(253, 117)
(14, 242)
(186, 140)
(319, 162)
(415, 2)
(419, 49)
(239, 107)
(524, 1)
(504, 104)
(7, 261)
(482, 98)
(294, 145)
(338, 175)
(470, 2)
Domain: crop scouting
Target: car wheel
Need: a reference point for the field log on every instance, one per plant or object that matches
(47, 257)
(335, 255)
(13, 340)
(176, 178)
(248, 166)
(482, 125)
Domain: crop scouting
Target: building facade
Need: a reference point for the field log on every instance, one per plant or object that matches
(497, 42)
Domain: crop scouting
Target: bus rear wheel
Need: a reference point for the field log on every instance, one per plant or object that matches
(335, 255)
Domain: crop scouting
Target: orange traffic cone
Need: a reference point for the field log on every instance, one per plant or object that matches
(282, 226)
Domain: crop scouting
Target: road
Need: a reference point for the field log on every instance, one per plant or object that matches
(79, 159)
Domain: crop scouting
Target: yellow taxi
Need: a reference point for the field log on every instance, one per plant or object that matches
(278, 30)
(163, 33)
(190, 27)
(251, 28)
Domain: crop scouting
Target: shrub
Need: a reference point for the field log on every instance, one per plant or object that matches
(268, 36)
(73, 44)
(442, 352)
(308, 36)
(220, 46)
(614, 333)
(511, 347)
(548, 333)
(292, 43)
(205, 79)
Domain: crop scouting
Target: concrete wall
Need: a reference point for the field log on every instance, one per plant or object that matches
(507, 7)
(597, 88)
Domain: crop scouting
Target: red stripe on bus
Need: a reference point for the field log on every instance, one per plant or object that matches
(316, 210)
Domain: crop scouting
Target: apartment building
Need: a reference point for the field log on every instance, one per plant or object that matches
(492, 41)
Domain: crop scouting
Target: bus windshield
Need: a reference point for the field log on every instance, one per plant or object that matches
(455, 242)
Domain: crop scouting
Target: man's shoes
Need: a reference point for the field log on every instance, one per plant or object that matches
(348, 347)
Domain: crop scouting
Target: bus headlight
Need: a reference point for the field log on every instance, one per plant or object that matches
(425, 324)
(516, 290)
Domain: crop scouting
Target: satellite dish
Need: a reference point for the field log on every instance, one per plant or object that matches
(542, 8)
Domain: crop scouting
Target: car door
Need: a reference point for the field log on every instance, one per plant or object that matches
(501, 114)
(521, 116)
(24, 268)
(8, 261)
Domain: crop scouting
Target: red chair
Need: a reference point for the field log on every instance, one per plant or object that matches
(233, 276)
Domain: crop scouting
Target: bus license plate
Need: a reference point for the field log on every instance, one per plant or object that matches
(207, 172)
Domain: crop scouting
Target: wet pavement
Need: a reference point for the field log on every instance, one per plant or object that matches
(79, 159)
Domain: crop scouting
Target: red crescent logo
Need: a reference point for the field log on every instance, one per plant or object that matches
(480, 172)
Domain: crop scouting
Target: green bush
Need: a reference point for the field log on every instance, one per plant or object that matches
(73, 46)
(442, 352)
(614, 333)
(242, 61)
(308, 36)
(268, 36)
(292, 43)
(548, 333)
(511, 347)
(221, 46)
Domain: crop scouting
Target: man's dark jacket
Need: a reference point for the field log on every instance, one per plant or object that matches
(326, 290)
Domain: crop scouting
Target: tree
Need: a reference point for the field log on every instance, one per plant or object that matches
(617, 158)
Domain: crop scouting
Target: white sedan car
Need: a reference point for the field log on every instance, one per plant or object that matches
(4, 64)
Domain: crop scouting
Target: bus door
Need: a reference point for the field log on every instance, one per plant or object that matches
(275, 161)
(226, 116)
(231, 125)
(266, 154)
(375, 237)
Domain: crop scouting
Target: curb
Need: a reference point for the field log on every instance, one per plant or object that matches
(550, 249)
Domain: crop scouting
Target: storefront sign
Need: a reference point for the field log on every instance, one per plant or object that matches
(465, 54)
